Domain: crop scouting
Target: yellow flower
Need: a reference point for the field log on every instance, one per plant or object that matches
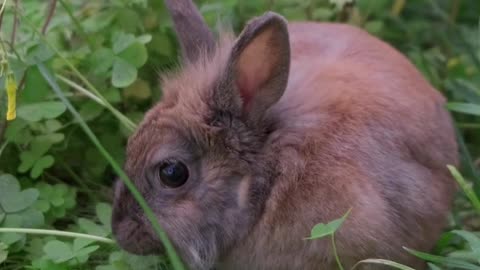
(11, 87)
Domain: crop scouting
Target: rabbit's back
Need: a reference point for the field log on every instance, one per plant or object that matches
(358, 127)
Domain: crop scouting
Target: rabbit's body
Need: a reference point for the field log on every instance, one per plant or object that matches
(356, 126)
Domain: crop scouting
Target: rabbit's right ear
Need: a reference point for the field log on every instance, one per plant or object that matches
(193, 33)
(258, 68)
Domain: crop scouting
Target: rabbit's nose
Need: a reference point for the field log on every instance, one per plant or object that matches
(132, 235)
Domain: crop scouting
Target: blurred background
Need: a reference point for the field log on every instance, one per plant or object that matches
(106, 57)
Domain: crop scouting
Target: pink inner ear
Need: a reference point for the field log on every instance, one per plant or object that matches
(254, 67)
(245, 87)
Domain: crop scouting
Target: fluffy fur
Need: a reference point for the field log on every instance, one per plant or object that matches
(356, 126)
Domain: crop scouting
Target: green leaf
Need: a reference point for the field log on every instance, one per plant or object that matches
(3, 252)
(18, 201)
(162, 45)
(449, 262)
(113, 95)
(36, 88)
(42, 205)
(80, 243)
(53, 125)
(8, 184)
(339, 4)
(40, 52)
(433, 266)
(104, 213)
(367, 7)
(90, 110)
(467, 189)
(136, 54)
(58, 212)
(40, 165)
(47, 264)
(2, 216)
(101, 61)
(472, 239)
(467, 108)
(57, 201)
(321, 230)
(144, 39)
(86, 251)
(466, 255)
(32, 218)
(374, 27)
(322, 14)
(41, 110)
(139, 90)
(52, 138)
(99, 20)
(11, 221)
(91, 227)
(124, 73)
(121, 41)
(58, 251)
(27, 162)
(383, 262)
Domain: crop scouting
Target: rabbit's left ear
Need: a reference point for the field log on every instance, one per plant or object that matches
(257, 71)
(193, 34)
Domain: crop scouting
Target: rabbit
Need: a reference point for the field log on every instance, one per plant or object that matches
(260, 137)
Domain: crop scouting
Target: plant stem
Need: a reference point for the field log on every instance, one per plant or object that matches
(50, 11)
(81, 89)
(174, 259)
(337, 259)
(127, 122)
(15, 24)
(57, 233)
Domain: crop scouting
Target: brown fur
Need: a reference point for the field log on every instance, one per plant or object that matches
(355, 127)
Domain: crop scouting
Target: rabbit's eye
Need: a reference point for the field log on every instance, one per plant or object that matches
(173, 174)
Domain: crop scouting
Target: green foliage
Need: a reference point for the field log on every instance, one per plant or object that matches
(105, 57)
(321, 230)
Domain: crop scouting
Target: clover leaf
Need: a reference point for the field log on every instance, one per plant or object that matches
(321, 230)
(3, 252)
(104, 213)
(12, 199)
(41, 110)
(59, 251)
(124, 73)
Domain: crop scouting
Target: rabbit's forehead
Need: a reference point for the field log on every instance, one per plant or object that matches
(166, 137)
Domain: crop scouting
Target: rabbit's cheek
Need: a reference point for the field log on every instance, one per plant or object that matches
(243, 192)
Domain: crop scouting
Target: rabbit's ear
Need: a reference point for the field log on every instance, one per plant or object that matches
(193, 33)
(257, 71)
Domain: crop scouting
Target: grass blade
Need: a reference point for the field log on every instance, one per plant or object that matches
(450, 262)
(58, 233)
(467, 108)
(465, 187)
(384, 262)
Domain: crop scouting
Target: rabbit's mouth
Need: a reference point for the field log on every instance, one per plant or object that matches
(133, 237)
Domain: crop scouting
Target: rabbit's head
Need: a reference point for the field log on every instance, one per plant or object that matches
(197, 156)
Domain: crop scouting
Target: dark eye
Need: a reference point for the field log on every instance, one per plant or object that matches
(173, 173)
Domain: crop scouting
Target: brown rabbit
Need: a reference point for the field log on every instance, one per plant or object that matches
(259, 138)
